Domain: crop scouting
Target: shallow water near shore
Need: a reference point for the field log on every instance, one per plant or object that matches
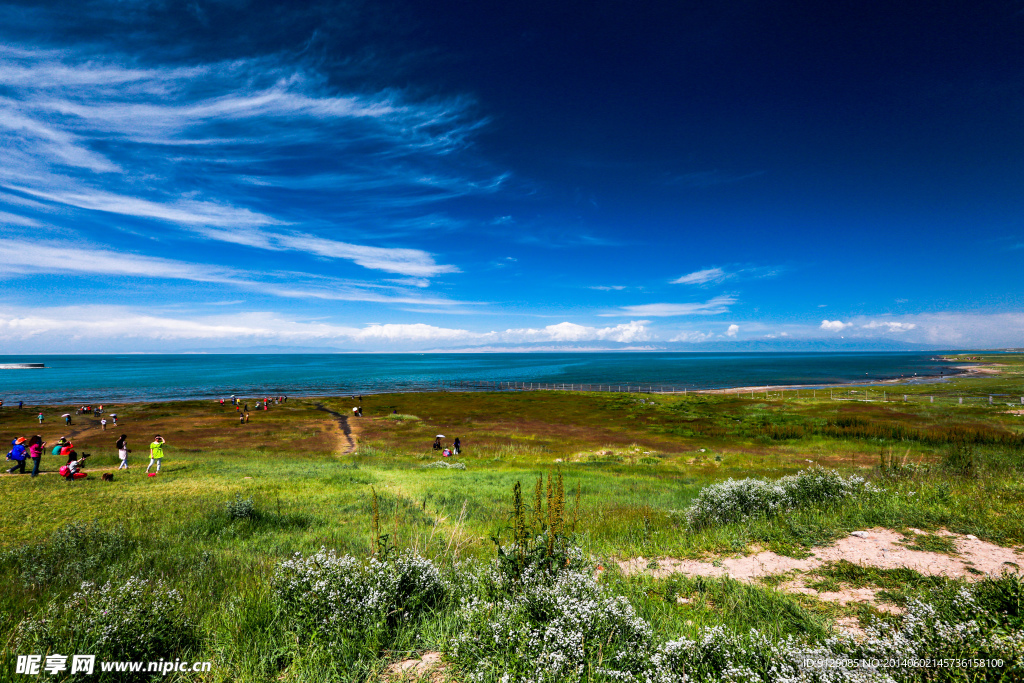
(120, 378)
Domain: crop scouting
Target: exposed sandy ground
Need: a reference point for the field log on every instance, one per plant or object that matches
(429, 667)
(875, 548)
(987, 369)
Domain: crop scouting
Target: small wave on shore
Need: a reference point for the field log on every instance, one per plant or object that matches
(21, 366)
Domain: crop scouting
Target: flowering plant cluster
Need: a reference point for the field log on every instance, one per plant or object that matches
(72, 551)
(737, 499)
(135, 619)
(241, 508)
(442, 465)
(544, 626)
(335, 597)
(567, 627)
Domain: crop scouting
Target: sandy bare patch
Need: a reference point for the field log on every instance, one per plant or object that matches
(844, 596)
(429, 667)
(852, 626)
(987, 369)
(879, 548)
(876, 548)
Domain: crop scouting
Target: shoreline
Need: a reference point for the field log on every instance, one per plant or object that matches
(965, 371)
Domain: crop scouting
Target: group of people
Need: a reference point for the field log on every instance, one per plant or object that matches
(23, 449)
(447, 452)
(98, 412)
(261, 404)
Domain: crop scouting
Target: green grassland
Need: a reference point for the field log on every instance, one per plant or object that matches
(636, 462)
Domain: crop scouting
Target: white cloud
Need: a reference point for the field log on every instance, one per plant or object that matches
(890, 326)
(834, 325)
(608, 288)
(693, 336)
(733, 329)
(108, 326)
(564, 332)
(701, 277)
(719, 304)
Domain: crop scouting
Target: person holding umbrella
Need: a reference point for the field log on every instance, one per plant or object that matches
(67, 418)
(437, 442)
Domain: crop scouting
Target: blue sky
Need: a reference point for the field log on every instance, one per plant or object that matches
(390, 176)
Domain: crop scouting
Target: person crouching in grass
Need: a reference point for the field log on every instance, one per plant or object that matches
(156, 453)
(73, 468)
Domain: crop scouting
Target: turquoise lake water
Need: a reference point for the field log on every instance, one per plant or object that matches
(121, 378)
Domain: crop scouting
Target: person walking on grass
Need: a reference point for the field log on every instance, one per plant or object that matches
(35, 451)
(156, 453)
(40, 418)
(456, 446)
(18, 455)
(103, 424)
(123, 451)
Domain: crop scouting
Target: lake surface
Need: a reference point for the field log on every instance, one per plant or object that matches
(123, 378)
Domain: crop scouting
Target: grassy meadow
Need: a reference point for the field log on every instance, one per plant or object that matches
(235, 501)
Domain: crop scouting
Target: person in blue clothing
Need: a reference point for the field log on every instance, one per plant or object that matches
(18, 455)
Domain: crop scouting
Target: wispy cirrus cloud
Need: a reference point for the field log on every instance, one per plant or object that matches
(218, 149)
(700, 277)
(716, 275)
(27, 258)
(715, 306)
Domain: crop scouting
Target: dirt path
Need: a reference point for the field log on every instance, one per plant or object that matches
(345, 428)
